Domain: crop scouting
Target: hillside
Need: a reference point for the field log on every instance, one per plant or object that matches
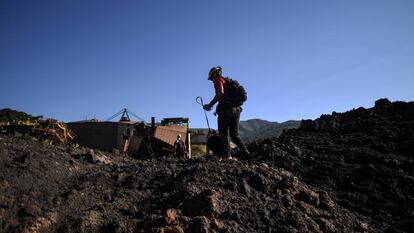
(363, 158)
(256, 129)
(9, 115)
(346, 172)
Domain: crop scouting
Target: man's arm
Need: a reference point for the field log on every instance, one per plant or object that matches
(217, 97)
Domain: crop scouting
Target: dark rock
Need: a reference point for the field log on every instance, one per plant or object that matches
(258, 182)
(308, 196)
(326, 225)
(199, 224)
(204, 204)
(31, 210)
(326, 203)
(245, 188)
(170, 216)
(382, 103)
(362, 227)
(288, 182)
(90, 157)
(171, 229)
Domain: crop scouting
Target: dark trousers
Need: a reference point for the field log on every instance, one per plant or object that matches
(228, 121)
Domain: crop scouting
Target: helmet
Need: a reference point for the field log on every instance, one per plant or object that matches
(213, 72)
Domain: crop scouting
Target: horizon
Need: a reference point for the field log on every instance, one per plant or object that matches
(133, 118)
(297, 60)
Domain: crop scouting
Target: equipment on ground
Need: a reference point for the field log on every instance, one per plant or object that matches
(52, 130)
(19, 124)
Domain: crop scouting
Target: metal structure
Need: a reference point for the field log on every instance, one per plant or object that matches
(125, 115)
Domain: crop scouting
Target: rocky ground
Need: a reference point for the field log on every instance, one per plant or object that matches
(364, 158)
(349, 172)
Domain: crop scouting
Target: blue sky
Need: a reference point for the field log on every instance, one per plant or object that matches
(72, 60)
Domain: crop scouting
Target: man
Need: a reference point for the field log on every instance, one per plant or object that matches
(179, 148)
(228, 114)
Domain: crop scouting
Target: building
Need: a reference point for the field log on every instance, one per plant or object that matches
(131, 137)
(106, 135)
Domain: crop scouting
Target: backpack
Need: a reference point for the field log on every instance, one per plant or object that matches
(235, 93)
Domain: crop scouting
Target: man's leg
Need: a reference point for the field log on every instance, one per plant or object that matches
(223, 127)
(234, 130)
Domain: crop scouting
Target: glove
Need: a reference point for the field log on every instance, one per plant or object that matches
(207, 107)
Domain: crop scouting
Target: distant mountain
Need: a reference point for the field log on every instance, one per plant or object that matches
(257, 129)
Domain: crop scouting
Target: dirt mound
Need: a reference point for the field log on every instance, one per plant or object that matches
(67, 189)
(345, 172)
(364, 158)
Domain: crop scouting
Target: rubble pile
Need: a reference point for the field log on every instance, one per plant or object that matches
(345, 172)
(363, 158)
(48, 188)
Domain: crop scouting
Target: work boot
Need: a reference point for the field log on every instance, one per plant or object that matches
(242, 153)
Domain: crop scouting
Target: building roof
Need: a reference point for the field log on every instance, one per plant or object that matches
(97, 122)
(168, 134)
(175, 121)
